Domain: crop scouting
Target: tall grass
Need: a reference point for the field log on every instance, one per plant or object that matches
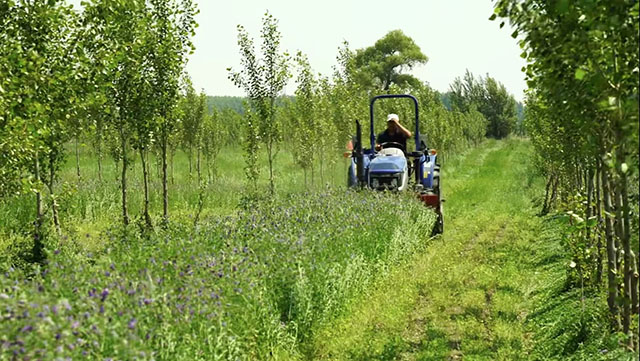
(252, 285)
(89, 206)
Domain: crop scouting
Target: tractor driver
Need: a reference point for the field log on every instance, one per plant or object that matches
(395, 132)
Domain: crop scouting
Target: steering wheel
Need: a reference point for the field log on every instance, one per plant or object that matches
(393, 145)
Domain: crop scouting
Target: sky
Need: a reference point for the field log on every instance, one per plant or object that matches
(454, 34)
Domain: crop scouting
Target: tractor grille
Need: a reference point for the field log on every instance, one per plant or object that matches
(386, 181)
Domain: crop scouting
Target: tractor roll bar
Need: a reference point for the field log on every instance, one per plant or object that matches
(385, 96)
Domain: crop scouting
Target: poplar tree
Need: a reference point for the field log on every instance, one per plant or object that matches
(171, 26)
(263, 81)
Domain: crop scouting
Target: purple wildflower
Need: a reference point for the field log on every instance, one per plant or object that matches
(132, 323)
(104, 294)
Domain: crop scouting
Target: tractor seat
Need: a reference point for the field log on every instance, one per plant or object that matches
(391, 152)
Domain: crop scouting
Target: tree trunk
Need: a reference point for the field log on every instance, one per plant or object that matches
(554, 192)
(616, 193)
(545, 205)
(208, 163)
(600, 223)
(626, 310)
(272, 189)
(312, 172)
(198, 166)
(165, 190)
(99, 148)
(37, 234)
(201, 200)
(123, 178)
(190, 161)
(173, 180)
(145, 184)
(77, 157)
(158, 166)
(588, 181)
(635, 307)
(54, 204)
(611, 247)
(99, 160)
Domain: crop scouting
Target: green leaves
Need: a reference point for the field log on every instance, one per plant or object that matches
(263, 80)
(580, 73)
(379, 66)
(40, 76)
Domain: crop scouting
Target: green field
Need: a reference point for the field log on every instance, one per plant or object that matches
(323, 273)
(90, 206)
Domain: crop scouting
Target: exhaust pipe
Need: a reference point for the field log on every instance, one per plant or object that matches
(359, 155)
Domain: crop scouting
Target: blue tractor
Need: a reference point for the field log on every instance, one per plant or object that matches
(394, 168)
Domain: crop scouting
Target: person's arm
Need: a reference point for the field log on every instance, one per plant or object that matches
(378, 142)
(403, 130)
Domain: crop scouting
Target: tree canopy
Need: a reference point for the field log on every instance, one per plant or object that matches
(490, 98)
(381, 65)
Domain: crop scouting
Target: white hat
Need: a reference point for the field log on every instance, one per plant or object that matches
(391, 117)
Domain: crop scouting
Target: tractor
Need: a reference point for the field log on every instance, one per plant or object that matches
(394, 168)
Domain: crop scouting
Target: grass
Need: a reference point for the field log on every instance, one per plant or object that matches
(317, 272)
(89, 207)
(487, 289)
(243, 284)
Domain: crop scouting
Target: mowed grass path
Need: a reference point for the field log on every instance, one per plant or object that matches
(465, 296)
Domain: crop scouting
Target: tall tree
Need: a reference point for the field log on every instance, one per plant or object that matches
(39, 96)
(213, 134)
(489, 97)
(263, 80)
(117, 31)
(383, 64)
(302, 115)
(499, 107)
(172, 25)
(192, 117)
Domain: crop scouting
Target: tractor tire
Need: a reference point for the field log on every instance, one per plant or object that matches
(350, 181)
(438, 227)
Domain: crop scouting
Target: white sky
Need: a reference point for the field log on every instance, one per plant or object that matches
(454, 34)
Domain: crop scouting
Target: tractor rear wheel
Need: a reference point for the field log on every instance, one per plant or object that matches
(438, 227)
(350, 179)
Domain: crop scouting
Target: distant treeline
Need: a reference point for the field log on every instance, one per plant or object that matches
(225, 102)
